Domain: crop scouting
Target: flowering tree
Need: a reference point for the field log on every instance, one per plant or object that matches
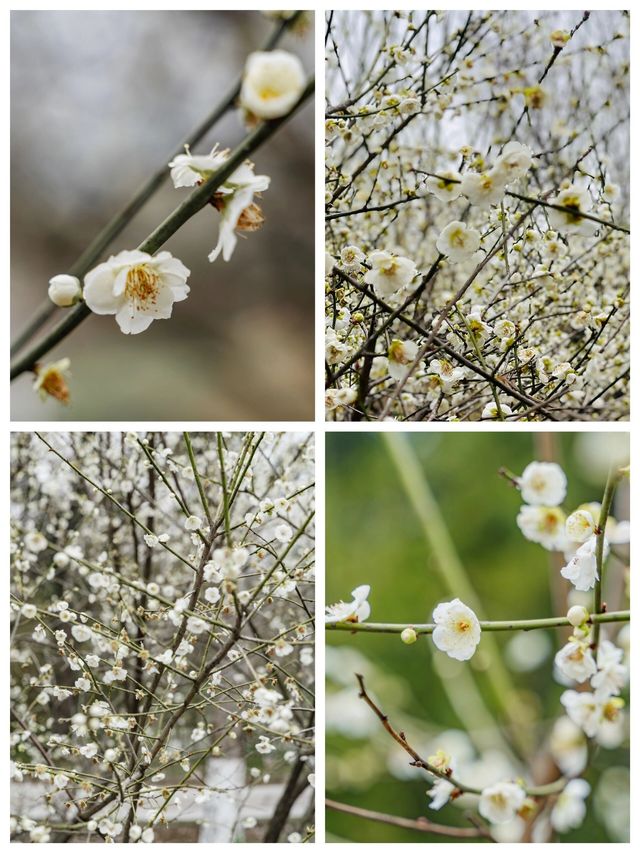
(162, 609)
(535, 786)
(476, 209)
(142, 283)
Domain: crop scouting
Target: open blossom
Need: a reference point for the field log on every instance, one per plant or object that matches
(514, 162)
(570, 809)
(446, 372)
(483, 190)
(137, 287)
(575, 660)
(591, 711)
(577, 201)
(51, 380)
(490, 411)
(272, 84)
(582, 568)
(401, 355)
(458, 241)
(446, 186)
(389, 273)
(612, 673)
(336, 397)
(544, 525)
(335, 349)
(500, 803)
(457, 630)
(351, 258)
(234, 198)
(543, 484)
(568, 746)
(350, 611)
(81, 633)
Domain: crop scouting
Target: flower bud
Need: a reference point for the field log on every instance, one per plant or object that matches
(577, 615)
(64, 290)
(408, 636)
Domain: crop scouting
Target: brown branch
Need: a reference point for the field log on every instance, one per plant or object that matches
(419, 825)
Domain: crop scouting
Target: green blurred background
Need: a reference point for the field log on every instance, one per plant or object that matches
(374, 537)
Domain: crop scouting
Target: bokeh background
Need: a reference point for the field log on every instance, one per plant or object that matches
(98, 101)
(374, 537)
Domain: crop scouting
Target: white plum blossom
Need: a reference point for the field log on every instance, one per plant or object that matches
(569, 810)
(81, 633)
(491, 412)
(483, 190)
(571, 221)
(458, 241)
(575, 660)
(513, 163)
(544, 525)
(457, 630)
(582, 568)
(440, 793)
(445, 186)
(357, 610)
(272, 84)
(65, 290)
(543, 484)
(612, 673)
(389, 273)
(501, 802)
(401, 355)
(568, 746)
(580, 526)
(137, 287)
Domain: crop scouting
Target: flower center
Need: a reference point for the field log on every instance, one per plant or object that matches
(463, 625)
(457, 238)
(142, 285)
(267, 93)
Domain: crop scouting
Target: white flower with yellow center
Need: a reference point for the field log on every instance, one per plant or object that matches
(483, 190)
(446, 372)
(500, 803)
(336, 397)
(445, 186)
(273, 83)
(458, 242)
(137, 287)
(401, 354)
(591, 711)
(457, 631)
(544, 525)
(575, 660)
(335, 349)
(568, 746)
(389, 273)
(577, 201)
(188, 170)
(543, 484)
(514, 162)
(350, 611)
(491, 413)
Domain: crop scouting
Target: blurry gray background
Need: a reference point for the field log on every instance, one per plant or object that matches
(98, 101)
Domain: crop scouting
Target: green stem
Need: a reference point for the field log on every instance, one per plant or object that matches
(508, 625)
(615, 475)
(194, 203)
(454, 576)
(117, 224)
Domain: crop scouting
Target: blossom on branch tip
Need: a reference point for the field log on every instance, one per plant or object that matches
(137, 287)
(543, 484)
(457, 631)
(350, 611)
(582, 568)
(544, 525)
(272, 84)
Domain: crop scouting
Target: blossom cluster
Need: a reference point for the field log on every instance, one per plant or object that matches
(475, 267)
(162, 609)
